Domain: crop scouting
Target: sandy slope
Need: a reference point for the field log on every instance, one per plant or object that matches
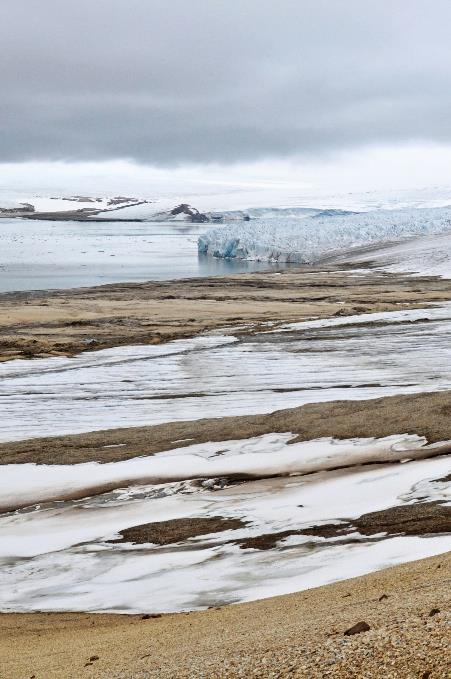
(298, 635)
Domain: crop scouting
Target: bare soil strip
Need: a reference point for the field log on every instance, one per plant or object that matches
(66, 322)
(421, 518)
(427, 415)
(425, 518)
(298, 635)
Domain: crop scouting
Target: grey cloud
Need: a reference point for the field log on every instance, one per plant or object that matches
(173, 81)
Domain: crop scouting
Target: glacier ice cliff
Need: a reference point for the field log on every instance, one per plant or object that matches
(307, 239)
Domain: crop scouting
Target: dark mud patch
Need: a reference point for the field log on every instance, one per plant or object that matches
(423, 518)
(271, 540)
(177, 530)
(445, 479)
(339, 533)
(420, 519)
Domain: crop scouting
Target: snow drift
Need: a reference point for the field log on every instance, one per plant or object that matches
(309, 239)
(259, 457)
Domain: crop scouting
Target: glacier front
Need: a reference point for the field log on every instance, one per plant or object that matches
(308, 239)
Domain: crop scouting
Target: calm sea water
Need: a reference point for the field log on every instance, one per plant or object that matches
(42, 255)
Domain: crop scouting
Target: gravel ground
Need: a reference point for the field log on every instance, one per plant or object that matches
(297, 635)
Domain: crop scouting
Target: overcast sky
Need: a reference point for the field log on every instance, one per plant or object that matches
(170, 82)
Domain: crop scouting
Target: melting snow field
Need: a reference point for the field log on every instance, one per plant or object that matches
(425, 256)
(354, 357)
(55, 543)
(57, 556)
(263, 456)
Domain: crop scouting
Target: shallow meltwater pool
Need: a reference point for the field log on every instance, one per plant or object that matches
(356, 357)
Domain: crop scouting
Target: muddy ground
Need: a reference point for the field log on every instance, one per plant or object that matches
(427, 415)
(66, 322)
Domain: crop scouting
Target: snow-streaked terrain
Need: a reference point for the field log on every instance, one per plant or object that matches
(55, 548)
(309, 239)
(215, 375)
(55, 557)
(262, 456)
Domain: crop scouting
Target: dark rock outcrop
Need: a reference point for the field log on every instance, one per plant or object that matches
(358, 628)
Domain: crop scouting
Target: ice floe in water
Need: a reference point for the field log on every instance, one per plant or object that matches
(355, 357)
(59, 557)
(309, 239)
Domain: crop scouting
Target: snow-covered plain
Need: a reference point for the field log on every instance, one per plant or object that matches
(310, 239)
(215, 375)
(46, 203)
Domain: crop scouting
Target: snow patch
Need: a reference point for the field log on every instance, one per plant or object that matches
(56, 557)
(262, 456)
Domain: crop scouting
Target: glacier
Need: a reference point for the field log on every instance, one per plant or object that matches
(308, 239)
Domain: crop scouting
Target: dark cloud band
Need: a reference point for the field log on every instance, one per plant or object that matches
(171, 81)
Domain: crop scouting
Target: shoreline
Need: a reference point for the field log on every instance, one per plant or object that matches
(40, 324)
(293, 635)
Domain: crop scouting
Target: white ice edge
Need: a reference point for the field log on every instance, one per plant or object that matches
(309, 239)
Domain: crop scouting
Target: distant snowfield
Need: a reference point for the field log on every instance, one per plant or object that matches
(217, 196)
(61, 203)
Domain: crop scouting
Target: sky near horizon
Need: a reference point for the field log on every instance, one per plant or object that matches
(311, 93)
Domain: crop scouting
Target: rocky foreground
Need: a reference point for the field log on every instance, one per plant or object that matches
(393, 624)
